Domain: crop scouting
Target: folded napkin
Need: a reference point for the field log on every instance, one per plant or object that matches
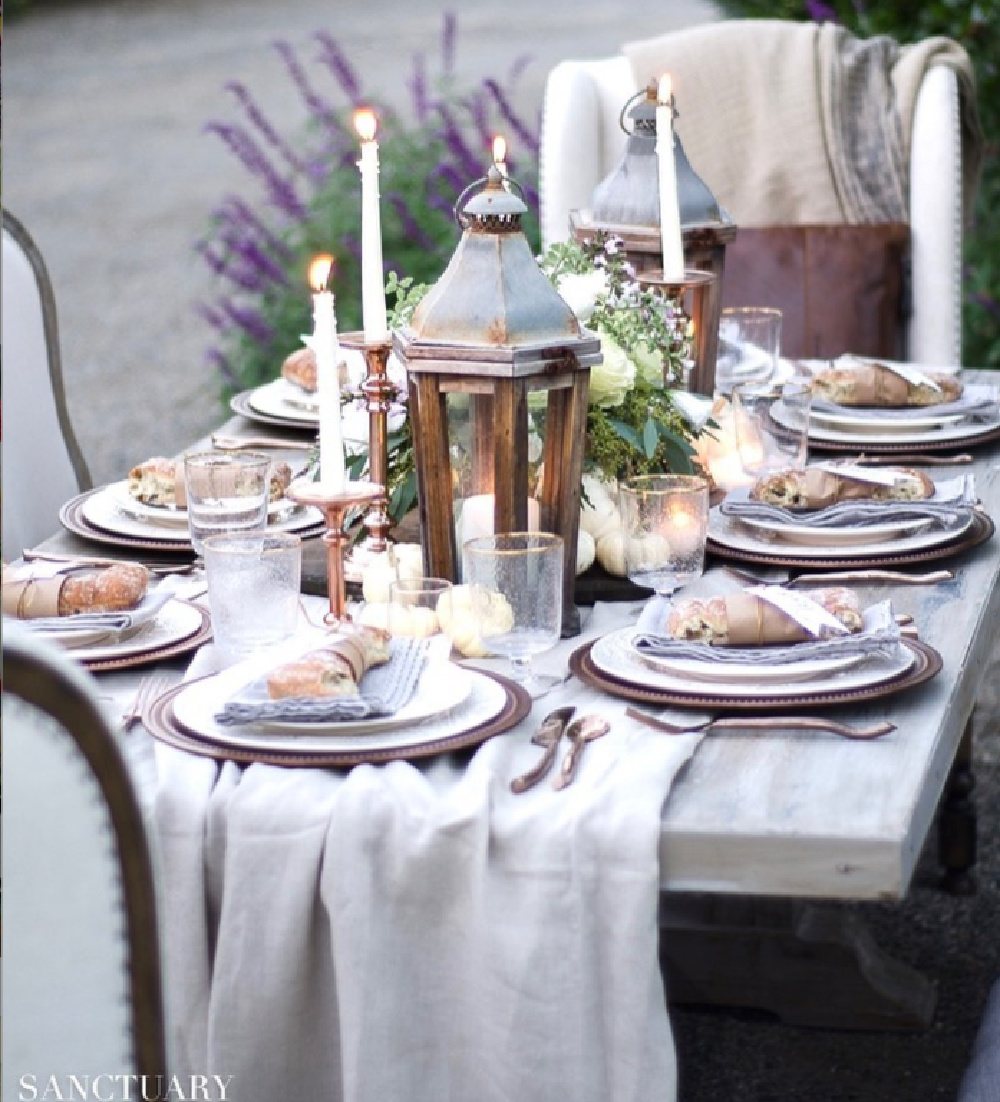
(953, 500)
(382, 692)
(878, 638)
(117, 622)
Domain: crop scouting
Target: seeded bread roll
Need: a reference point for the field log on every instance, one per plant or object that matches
(299, 369)
(160, 481)
(742, 619)
(333, 670)
(814, 488)
(871, 384)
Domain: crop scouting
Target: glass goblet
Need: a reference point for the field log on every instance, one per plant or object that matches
(664, 523)
(517, 588)
(413, 604)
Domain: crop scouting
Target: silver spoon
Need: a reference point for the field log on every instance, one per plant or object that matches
(580, 732)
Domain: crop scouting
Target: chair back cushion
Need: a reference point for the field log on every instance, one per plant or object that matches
(840, 288)
(41, 465)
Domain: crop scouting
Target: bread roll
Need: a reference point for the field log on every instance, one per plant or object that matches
(871, 384)
(333, 670)
(107, 589)
(299, 369)
(815, 488)
(160, 481)
(744, 619)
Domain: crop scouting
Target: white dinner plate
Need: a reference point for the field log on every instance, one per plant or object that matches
(830, 536)
(848, 421)
(750, 673)
(482, 699)
(173, 516)
(176, 620)
(281, 398)
(614, 655)
(729, 532)
(104, 510)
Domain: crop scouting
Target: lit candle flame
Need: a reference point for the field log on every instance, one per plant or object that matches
(364, 123)
(499, 150)
(320, 271)
(666, 89)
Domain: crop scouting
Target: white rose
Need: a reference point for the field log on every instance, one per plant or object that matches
(580, 291)
(611, 380)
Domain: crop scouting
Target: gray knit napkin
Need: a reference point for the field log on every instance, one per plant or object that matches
(953, 501)
(879, 637)
(977, 403)
(106, 621)
(383, 691)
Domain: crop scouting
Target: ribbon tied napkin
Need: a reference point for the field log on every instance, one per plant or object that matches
(953, 501)
(878, 637)
(382, 692)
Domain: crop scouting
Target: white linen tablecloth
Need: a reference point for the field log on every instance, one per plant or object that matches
(416, 931)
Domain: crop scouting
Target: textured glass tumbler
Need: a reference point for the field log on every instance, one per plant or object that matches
(226, 493)
(253, 591)
(772, 426)
(517, 581)
(413, 606)
(665, 524)
(749, 346)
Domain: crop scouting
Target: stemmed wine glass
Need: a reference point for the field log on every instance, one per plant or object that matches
(517, 595)
(665, 524)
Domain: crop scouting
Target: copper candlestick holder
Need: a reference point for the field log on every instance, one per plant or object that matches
(706, 340)
(335, 504)
(379, 393)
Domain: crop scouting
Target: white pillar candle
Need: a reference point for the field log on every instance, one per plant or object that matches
(332, 467)
(477, 517)
(670, 216)
(372, 279)
(500, 159)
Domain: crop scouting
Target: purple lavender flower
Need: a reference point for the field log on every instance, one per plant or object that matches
(263, 126)
(448, 44)
(281, 191)
(332, 56)
(418, 88)
(820, 12)
(513, 120)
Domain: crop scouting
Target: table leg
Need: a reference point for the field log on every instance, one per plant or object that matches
(809, 965)
(957, 822)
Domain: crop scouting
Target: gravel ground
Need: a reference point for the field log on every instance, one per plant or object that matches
(107, 164)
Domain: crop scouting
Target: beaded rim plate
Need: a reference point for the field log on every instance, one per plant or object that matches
(927, 663)
(135, 652)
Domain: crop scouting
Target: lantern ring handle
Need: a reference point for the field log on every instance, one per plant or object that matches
(628, 103)
(459, 210)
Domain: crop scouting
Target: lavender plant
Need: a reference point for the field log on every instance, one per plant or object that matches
(310, 196)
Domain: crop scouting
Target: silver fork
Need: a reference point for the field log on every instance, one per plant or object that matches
(150, 687)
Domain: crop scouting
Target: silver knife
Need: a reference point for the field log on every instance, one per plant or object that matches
(763, 723)
(548, 735)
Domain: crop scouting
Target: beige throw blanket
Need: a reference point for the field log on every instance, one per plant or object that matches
(799, 123)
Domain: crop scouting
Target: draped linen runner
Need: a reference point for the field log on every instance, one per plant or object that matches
(808, 125)
(418, 932)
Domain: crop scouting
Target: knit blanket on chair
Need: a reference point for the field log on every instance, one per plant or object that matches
(797, 123)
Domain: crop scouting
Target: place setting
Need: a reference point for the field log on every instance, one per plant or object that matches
(888, 407)
(165, 504)
(108, 617)
(712, 641)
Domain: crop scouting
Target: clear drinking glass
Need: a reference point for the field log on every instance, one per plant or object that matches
(665, 524)
(253, 590)
(517, 581)
(749, 346)
(413, 606)
(226, 493)
(772, 426)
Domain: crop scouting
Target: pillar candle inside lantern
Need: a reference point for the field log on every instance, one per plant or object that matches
(477, 517)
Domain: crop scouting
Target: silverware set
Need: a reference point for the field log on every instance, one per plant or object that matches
(150, 688)
(763, 723)
(579, 732)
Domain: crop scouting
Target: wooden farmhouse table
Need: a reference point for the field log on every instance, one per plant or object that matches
(759, 827)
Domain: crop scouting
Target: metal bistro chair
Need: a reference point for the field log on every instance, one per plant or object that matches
(42, 463)
(81, 991)
(581, 142)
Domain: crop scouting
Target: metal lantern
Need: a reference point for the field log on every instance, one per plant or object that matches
(627, 204)
(490, 333)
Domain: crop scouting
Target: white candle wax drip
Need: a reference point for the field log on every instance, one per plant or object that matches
(670, 218)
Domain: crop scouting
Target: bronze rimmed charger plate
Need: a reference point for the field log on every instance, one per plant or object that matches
(885, 445)
(73, 518)
(242, 404)
(927, 663)
(162, 724)
(981, 529)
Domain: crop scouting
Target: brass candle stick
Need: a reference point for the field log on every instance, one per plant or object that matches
(379, 393)
(335, 504)
(706, 335)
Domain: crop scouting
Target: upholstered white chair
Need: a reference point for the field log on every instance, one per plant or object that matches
(581, 142)
(81, 978)
(42, 466)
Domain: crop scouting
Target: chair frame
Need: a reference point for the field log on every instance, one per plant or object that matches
(58, 694)
(26, 244)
